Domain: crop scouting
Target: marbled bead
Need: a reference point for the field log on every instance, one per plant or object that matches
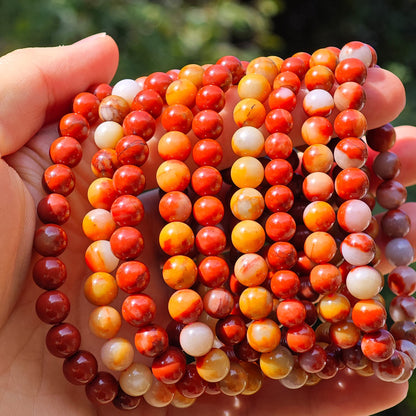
(235, 381)
(127, 89)
(213, 271)
(386, 165)
(159, 394)
(358, 249)
(107, 134)
(185, 306)
(66, 151)
(351, 183)
(169, 366)
(369, 315)
(176, 238)
(208, 210)
(102, 193)
(80, 368)
(206, 180)
(127, 243)
(263, 335)
(256, 302)
(248, 236)
(381, 139)
(402, 281)
(391, 369)
(399, 252)
(391, 194)
(278, 363)
(129, 179)
(344, 334)
(324, 56)
(319, 76)
(180, 272)
(100, 258)
(213, 366)
(127, 210)
(59, 179)
(357, 50)
(247, 172)
(247, 204)
(151, 340)
(138, 310)
(132, 150)
(63, 340)
(148, 100)
(100, 288)
(251, 269)
(247, 141)
(317, 158)
(210, 241)
(354, 215)
(113, 108)
(313, 360)
(49, 273)
(50, 240)
(132, 276)
(395, 223)
(320, 247)
(364, 282)
(264, 66)
(104, 322)
(378, 345)
(280, 226)
(174, 145)
(175, 206)
(254, 378)
(316, 129)
(318, 186)
(349, 95)
(231, 330)
(403, 308)
(319, 216)
(350, 123)
(196, 339)
(117, 354)
(350, 153)
(318, 102)
(300, 338)
(98, 224)
(136, 379)
(52, 306)
(254, 86)
(249, 112)
(74, 125)
(218, 302)
(104, 163)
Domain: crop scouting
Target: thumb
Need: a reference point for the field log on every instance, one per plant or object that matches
(39, 83)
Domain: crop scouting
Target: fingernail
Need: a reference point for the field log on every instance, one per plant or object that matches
(95, 36)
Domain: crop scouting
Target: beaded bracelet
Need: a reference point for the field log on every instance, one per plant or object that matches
(271, 264)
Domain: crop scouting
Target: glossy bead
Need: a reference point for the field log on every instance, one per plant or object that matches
(49, 273)
(173, 175)
(403, 308)
(349, 95)
(278, 172)
(207, 152)
(159, 394)
(283, 98)
(52, 306)
(208, 210)
(100, 258)
(104, 322)
(325, 278)
(98, 224)
(175, 206)
(177, 117)
(207, 124)
(358, 249)
(291, 312)
(280, 226)
(318, 102)
(235, 381)
(284, 284)
(213, 366)
(391, 369)
(378, 345)
(391, 194)
(185, 306)
(65, 150)
(278, 146)
(358, 50)
(59, 179)
(174, 145)
(408, 348)
(210, 241)
(86, 104)
(344, 334)
(254, 378)
(127, 243)
(248, 236)
(369, 315)
(50, 240)
(263, 335)
(247, 172)
(287, 79)
(213, 271)
(324, 56)
(402, 281)
(350, 123)
(354, 215)
(206, 180)
(102, 90)
(210, 97)
(320, 247)
(395, 223)
(254, 86)
(300, 338)
(231, 330)
(136, 379)
(247, 141)
(277, 363)
(317, 158)
(251, 269)
(104, 163)
(294, 64)
(127, 89)
(399, 252)
(176, 238)
(100, 288)
(139, 123)
(117, 354)
(127, 210)
(101, 193)
(334, 307)
(129, 179)
(196, 339)
(351, 183)
(132, 277)
(158, 81)
(132, 150)
(107, 134)
(63, 340)
(279, 198)
(74, 125)
(234, 65)
(249, 112)
(138, 310)
(218, 75)
(404, 330)
(247, 204)
(102, 389)
(218, 302)
(319, 77)
(180, 272)
(319, 216)
(313, 360)
(191, 385)
(364, 282)
(381, 139)
(149, 101)
(54, 208)
(181, 91)
(279, 120)
(80, 368)
(316, 130)
(351, 70)
(350, 153)
(169, 366)
(151, 340)
(281, 255)
(318, 186)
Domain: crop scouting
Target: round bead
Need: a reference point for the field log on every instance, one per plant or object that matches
(247, 172)
(316, 130)
(320, 247)
(218, 75)
(351, 183)
(132, 277)
(129, 179)
(175, 206)
(248, 236)
(213, 366)
(59, 179)
(317, 158)
(324, 56)
(127, 210)
(100, 258)
(177, 117)
(127, 243)
(402, 281)
(208, 210)
(354, 215)
(403, 308)
(334, 307)
(358, 249)
(180, 272)
(49, 273)
(98, 224)
(280, 226)
(278, 363)
(104, 322)
(102, 389)
(382, 138)
(263, 335)
(210, 97)
(159, 394)
(132, 150)
(174, 145)
(210, 241)
(151, 340)
(100, 288)
(107, 134)
(378, 346)
(235, 381)
(256, 302)
(74, 125)
(247, 204)
(318, 186)
(173, 175)
(358, 50)
(213, 271)
(283, 98)
(251, 269)
(350, 123)
(391, 194)
(196, 339)
(349, 95)
(314, 360)
(66, 150)
(63, 340)
(319, 77)
(117, 354)
(207, 152)
(101, 193)
(249, 112)
(399, 252)
(127, 89)
(364, 282)
(318, 102)
(350, 153)
(300, 338)
(279, 198)
(207, 124)
(148, 100)
(247, 141)
(319, 216)
(395, 223)
(185, 306)
(136, 379)
(344, 334)
(80, 368)
(138, 310)
(176, 238)
(325, 278)
(281, 255)
(284, 284)
(52, 306)
(278, 146)
(369, 315)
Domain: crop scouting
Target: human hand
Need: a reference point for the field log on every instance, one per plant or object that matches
(31, 379)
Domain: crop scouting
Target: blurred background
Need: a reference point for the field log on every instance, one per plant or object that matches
(159, 35)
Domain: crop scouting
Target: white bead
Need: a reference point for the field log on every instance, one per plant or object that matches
(107, 134)
(357, 215)
(358, 249)
(247, 141)
(136, 379)
(318, 102)
(355, 50)
(127, 89)
(196, 339)
(117, 354)
(364, 282)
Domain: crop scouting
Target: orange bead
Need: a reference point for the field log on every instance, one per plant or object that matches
(100, 288)
(316, 130)
(324, 56)
(174, 145)
(247, 204)
(317, 158)
(256, 302)
(320, 247)
(278, 363)
(173, 175)
(181, 91)
(319, 216)
(263, 335)
(105, 322)
(180, 272)
(248, 236)
(214, 366)
(334, 307)
(325, 278)
(344, 334)
(176, 238)
(247, 172)
(185, 306)
(193, 73)
(100, 258)
(249, 112)
(251, 269)
(98, 224)
(254, 86)
(264, 66)
(101, 193)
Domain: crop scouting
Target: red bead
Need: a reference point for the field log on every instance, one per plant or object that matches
(278, 146)
(104, 163)
(66, 150)
(127, 210)
(382, 138)
(102, 194)
(132, 150)
(279, 121)
(218, 75)
(291, 312)
(63, 340)
(151, 340)
(231, 330)
(125, 402)
(175, 206)
(210, 97)
(191, 385)
(54, 208)
(169, 367)
(325, 278)
(74, 125)
(52, 307)
(300, 338)
(207, 152)
(279, 198)
(351, 69)
(280, 226)
(129, 179)
(50, 240)
(213, 271)
(206, 180)
(284, 284)
(350, 123)
(351, 183)
(234, 65)
(319, 77)
(295, 65)
(287, 79)
(177, 117)
(59, 179)
(349, 95)
(102, 90)
(138, 310)
(139, 123)
(278, 172)
(132, 277)
(282, 255)
(314, 360)
(159, 82)
(148, 100)
(283, 98)
(80, 368)
(218, 302)
(49, 273)
(369, 315)
(210, 241)
(87, 105)
(208, 210)
(207, 124)
(102, 389)
(378, 346)
(127, 243)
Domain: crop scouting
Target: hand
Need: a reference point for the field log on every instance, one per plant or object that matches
(36, 89)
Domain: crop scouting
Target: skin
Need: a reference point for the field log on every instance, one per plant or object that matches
(35, 92)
